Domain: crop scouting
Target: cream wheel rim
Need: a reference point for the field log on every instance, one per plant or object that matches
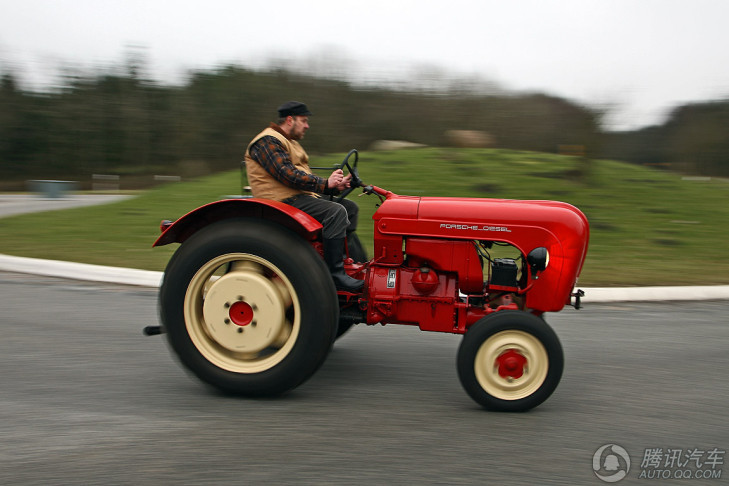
(511, 365)
(242, 313)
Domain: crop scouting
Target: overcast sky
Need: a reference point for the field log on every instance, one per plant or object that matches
(643, 57)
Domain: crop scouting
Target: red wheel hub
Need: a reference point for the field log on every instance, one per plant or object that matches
(510, 364)
(241, 313)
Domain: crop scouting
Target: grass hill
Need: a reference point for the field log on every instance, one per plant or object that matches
(648, 227)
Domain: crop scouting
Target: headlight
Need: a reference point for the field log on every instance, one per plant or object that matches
(538, 259)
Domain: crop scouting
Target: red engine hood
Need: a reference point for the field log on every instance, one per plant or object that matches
(560, 227)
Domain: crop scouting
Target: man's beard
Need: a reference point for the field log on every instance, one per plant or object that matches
(297, 132)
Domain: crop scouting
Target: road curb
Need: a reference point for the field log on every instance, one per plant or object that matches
(80, 271)
(147, 278)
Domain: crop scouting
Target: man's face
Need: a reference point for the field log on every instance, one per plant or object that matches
(299, 127)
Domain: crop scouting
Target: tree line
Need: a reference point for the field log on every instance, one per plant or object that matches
(124, 124)
(694, 140)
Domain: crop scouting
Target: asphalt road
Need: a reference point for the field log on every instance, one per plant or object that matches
(85, 398)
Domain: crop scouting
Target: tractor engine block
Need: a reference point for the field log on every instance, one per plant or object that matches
(419, 296)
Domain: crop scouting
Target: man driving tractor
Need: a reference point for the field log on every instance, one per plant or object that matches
(278, 169)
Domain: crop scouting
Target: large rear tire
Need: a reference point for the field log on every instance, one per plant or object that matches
(510, 361)
(249, 307)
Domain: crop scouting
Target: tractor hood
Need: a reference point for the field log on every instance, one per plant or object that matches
(559, 227)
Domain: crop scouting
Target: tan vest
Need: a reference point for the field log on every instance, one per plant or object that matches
(264, 184)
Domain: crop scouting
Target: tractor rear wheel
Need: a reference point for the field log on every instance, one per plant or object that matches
(249, 307)
(510, 361)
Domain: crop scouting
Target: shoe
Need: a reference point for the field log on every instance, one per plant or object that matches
(334, 258)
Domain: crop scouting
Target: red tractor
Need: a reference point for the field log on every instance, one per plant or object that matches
(249, 306)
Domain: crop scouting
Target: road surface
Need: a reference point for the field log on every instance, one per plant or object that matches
(87, 399)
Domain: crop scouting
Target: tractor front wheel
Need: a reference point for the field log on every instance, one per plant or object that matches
(510, 361)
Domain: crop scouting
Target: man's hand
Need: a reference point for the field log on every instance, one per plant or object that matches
(338, 181)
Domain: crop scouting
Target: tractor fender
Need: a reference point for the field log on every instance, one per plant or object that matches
(278, 212)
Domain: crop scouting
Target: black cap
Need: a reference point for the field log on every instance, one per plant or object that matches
(293, 108)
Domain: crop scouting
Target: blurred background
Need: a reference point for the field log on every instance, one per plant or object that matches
(134, 88)
(620, 107)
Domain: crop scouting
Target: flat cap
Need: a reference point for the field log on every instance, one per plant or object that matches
(293, 108)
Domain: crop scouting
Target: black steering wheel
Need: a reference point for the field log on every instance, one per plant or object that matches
(352, 169)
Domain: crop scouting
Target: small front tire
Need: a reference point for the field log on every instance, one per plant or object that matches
(510, 361)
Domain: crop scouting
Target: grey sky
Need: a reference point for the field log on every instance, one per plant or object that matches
(643, 56)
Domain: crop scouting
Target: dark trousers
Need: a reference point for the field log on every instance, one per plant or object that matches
(337, 219)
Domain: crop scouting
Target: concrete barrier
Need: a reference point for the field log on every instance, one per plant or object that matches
(51, 188)
(167, 178)
(105, 182)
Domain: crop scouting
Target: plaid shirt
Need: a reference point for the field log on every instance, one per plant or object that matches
(274, 159)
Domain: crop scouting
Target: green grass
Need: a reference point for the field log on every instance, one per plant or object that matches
(648, 227)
